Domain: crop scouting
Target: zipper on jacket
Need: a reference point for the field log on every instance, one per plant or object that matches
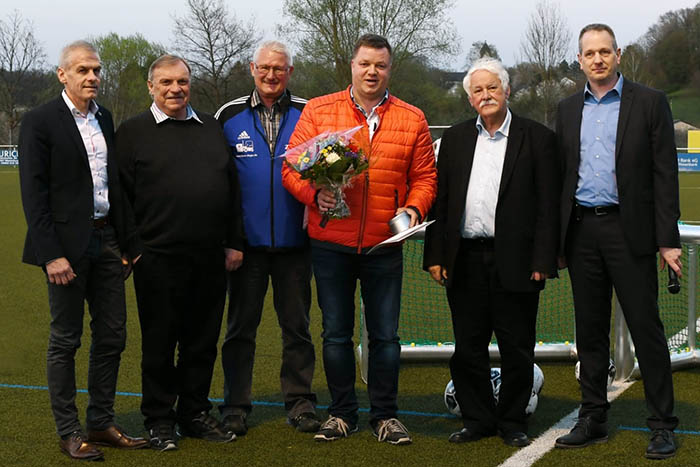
(273, 153)
(365, 190)
(272, 200)
(257, 123)
(365, 193)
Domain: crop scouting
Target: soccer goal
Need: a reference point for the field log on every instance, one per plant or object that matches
(425, 327)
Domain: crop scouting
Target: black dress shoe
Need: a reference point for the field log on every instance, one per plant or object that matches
(584, 433)
(76, 446)
(236, 423)
(661, 445)
(517, 439)
(465, 435)
(306, 422)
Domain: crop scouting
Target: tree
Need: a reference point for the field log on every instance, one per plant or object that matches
(546, 44)
(673, 48)
(481, 49)
(21, 54)
(326, 30)
(632, 63)
(547, 37)
(125, 62)
(212, 41)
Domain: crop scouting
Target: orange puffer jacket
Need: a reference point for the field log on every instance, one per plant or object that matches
(401, 169)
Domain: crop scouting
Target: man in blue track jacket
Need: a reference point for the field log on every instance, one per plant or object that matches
(258, 128)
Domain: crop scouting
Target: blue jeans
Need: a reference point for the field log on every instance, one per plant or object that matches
(380, 276)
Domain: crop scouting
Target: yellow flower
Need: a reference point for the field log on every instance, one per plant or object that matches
(305, 160)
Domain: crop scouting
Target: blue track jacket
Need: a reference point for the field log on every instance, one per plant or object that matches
(272, 218)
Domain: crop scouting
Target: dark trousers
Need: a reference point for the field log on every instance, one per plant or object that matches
(336, 275)
(100, 281)
(598, 259)
(180, 298)
(480, 307)
(291, 277)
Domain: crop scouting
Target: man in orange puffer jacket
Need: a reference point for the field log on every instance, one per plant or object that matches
(401, 177)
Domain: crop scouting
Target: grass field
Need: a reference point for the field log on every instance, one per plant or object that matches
(27, 434)
(685, 104)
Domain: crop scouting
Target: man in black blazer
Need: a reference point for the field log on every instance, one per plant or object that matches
(619, 206)
(493, 244)
(76, 233)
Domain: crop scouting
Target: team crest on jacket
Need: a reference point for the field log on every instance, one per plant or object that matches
(244, 146)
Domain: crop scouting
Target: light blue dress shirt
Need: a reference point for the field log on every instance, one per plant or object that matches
(597, 181)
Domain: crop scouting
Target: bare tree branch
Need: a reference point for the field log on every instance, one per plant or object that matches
(547, 39)
(20, 54)
(546, 44)
(212, 41)
(326, 30)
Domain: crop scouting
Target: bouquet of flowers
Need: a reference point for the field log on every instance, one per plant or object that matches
(329, 160)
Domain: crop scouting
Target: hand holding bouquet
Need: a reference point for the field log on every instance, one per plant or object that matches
(329, 160)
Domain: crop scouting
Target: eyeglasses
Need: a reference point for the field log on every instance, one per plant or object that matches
(265, 69)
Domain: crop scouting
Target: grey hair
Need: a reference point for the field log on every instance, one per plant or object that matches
(67, 51)
(167, 59)
(489, 64)
(596, 27)
(274, 46)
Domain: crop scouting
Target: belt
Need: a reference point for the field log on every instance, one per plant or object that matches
(598, 210)
(100, 223)
(479, 243)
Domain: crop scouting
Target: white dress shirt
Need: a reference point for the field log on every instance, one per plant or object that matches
(479, 218)
(161, 116)
(373, 118)
(96, 148)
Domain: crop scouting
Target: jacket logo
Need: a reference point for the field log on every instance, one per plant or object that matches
(245, 146)
(243, 135)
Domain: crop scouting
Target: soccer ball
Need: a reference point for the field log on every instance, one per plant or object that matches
(537, 384)
(611, 372)
(537, 379)
(495, 377)
(451, 401)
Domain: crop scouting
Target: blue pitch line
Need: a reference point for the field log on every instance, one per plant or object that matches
(258, 403)
(639, 428)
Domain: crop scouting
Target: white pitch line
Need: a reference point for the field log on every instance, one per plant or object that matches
(544, 443)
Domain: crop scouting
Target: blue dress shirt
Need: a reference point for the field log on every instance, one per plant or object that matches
(597, 182)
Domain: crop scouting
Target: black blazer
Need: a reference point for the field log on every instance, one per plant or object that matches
(527, 215)
(56, 184)
(646, 166)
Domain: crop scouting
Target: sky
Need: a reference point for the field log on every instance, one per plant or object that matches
(501, 23)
